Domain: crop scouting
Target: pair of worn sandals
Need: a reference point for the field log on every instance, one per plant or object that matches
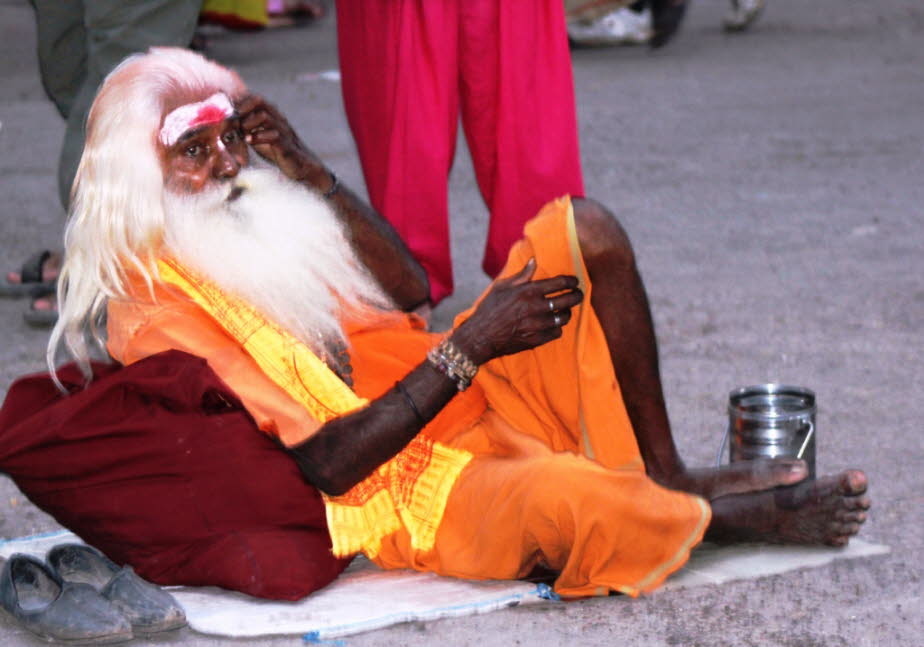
(80, 596)
(32, 285)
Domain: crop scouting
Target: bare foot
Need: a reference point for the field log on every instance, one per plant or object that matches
(295, 14)
(50, 267)
(737, 478)
(826, 511)
(46, 303)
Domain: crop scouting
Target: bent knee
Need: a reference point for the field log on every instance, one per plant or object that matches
(600, 234)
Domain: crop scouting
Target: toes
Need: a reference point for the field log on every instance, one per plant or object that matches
(787, 471)
(763, 474)
(857, 503)
(43, 304)
(850, 484)
(843, 529)
(853, 482)
(851, 516)
(850, 529)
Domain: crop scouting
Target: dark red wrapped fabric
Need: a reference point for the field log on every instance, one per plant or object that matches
(158, 465)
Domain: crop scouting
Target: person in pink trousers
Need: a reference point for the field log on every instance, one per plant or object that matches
(411, 68)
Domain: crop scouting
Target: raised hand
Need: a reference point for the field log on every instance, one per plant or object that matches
(518, 314)
(269, 133)
(379, 247)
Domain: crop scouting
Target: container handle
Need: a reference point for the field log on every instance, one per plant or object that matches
(718, 458)
(808, 437)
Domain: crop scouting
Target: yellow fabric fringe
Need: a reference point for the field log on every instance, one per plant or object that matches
(411, 489)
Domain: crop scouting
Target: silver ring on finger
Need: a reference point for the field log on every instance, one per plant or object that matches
(551, 306)
(557, 320)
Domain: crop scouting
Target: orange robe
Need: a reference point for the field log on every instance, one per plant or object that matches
(556, 477)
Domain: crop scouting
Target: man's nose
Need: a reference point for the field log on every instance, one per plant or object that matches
(226, 165)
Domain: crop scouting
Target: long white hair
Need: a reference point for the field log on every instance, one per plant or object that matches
(116, 215)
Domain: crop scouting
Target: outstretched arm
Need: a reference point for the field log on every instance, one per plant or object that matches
(376, 242)
(514, 316)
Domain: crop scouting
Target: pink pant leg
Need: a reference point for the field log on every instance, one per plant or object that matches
(398, 63)
(518, 111)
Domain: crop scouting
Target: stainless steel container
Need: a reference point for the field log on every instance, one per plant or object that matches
(770, 421)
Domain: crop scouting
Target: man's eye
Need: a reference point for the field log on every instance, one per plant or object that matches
(192, 151)
(232, 137)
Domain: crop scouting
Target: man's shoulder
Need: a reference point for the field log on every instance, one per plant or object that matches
(161, 307)
(134, 323)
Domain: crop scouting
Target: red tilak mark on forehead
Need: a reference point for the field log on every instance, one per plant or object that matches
(207, 114)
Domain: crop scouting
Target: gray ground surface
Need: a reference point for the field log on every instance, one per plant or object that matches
(772, 184)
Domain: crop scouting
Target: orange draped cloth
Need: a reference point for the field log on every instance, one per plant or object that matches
(408, 491)
(555, 476)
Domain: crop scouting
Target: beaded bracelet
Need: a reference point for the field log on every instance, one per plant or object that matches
(453, 363)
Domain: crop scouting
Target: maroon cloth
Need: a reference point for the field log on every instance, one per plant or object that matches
(158, 465)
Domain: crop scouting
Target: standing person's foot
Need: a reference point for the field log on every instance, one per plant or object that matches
(294, 13)
(742, 14)
(619, 27)
(37, 275)
(666, 16)
(199, 42)
(43, 311)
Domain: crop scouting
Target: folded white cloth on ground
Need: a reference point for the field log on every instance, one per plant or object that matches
(365, 597)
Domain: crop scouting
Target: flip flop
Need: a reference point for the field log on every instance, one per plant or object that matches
(39, 318)
(31, 284)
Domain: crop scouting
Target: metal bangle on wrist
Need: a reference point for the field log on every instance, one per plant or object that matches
(453, 363)
(410, 403)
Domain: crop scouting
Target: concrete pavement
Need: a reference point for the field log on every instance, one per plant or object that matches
(772, 184)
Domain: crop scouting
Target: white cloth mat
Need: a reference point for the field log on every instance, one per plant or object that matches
(365, 597)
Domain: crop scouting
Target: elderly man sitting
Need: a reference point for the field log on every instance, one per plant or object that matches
(533, 433)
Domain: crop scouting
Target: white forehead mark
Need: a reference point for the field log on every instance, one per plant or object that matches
(212, 110)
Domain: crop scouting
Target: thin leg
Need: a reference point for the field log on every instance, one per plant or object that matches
(621, 304)
(752, 500)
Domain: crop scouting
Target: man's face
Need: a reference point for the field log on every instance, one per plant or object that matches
(204, 156)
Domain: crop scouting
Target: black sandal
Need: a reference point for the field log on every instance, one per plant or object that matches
(40, 317)
(31, 283)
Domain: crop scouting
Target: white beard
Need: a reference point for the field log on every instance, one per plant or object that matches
(280, 248)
